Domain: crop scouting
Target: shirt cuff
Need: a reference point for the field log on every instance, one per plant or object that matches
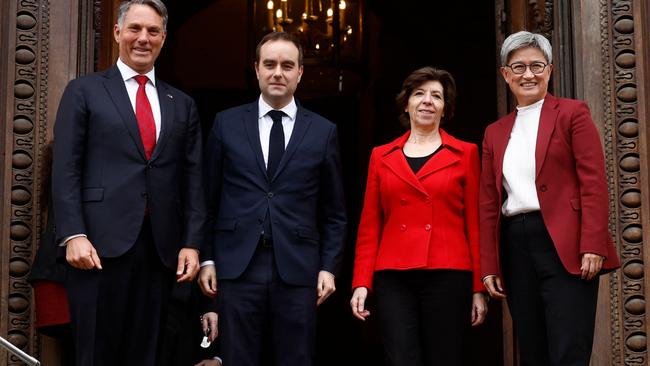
(65, 241)
(207, 263)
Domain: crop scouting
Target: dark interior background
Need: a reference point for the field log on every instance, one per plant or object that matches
(209, 53)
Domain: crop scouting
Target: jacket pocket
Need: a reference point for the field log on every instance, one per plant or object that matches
(225, 224)
(92, 194)
(307, 233)
(575, 203)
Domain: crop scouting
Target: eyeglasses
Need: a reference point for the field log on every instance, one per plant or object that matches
(520, 67)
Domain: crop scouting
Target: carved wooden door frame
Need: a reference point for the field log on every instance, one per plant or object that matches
(602, 55)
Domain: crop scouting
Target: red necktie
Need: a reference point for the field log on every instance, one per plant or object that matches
(144, 115)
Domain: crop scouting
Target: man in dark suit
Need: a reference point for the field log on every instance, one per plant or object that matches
(276, 216)
(128, 196)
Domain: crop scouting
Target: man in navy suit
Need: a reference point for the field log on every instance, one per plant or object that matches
(276, 216)
(128, 194)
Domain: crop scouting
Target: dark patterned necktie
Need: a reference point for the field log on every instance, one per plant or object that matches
(276, 142)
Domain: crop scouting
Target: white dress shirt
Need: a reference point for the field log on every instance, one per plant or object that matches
(265, 123)
(150, 88)
(519, 162)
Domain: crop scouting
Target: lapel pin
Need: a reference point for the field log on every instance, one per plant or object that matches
(170, 96)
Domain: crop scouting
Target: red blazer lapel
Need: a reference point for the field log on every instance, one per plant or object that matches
(395, 161)
(445, 157)
(501, 140)
(546, 126)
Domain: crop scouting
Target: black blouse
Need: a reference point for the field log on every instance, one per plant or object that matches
(417, 163)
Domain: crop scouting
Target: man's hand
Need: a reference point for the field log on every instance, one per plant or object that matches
(208, 280)
(591, 265)
(210, 321)
(493, 285)
(81, 254)
(325, 286)
(358, 303)
(209, 363)
(479, 308)
(188, 264)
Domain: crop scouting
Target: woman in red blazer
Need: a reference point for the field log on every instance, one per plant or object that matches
(417, 245)
(544, 211)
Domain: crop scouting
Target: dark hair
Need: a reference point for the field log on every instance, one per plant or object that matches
(419, 77)
(279, 36)
(156, 5)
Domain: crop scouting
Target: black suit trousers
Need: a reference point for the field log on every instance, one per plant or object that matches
(117, 312)
(424, 315)
(260, 314)
(553, 311)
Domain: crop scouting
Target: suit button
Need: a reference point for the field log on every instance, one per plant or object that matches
(427, 227)
(143, 194)
(543, 188)
(261, 221)
(402, 202)
(269, 195)
(427, 200)
(402, 227)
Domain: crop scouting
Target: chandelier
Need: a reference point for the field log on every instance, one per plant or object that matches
(329, 30)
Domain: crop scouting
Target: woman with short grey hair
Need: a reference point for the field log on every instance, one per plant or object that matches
(544, 207)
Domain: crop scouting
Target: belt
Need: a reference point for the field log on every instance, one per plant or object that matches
(265, 242)
(522, 216)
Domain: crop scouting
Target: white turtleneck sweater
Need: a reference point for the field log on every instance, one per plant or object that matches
(519, 162)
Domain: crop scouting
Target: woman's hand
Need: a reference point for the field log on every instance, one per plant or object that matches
(479, 308)
(591, 265)
(358, 303)
(493, 284)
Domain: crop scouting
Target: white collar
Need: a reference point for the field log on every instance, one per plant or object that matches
(290, 109)
(128, 73)
(531, 107)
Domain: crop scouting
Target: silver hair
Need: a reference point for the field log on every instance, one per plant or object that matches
(525, 39)
(156, 5)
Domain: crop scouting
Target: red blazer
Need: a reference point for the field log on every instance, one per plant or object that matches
(427, 220)
(571, 185)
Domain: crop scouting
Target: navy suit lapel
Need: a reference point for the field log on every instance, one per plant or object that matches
(166, 101)
(115, 87)
(299, 129)
(251, 123)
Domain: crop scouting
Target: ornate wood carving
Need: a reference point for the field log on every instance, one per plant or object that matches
(97, 26)
(29, 118)
(541, 17)
(627, 292)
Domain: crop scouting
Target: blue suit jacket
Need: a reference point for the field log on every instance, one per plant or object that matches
(305, 197)
(101, 180)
